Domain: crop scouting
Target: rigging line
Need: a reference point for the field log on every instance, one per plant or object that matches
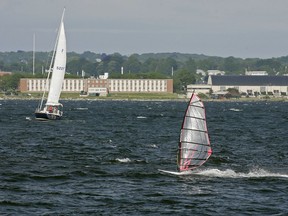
(199, 155)
(200, 159)
(193, 117)
(197, 100)
(196, 150)
(188, 142)
(189, 129)
(192, 105)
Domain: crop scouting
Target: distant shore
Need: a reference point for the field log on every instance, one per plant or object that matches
(139, 97)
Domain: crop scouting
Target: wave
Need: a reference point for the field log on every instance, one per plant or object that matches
(82, 108)
(256, 173)
(153, 146)
(28, 118)
(235, 110)
(123, 160)
(141, 117)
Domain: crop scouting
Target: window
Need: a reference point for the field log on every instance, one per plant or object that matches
(262, 89)
(249, 92)
(222, 88)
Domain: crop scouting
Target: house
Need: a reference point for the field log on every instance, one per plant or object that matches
(215, 72)
(246, 85)
(3, 73)
(251, 85)
(256, 73)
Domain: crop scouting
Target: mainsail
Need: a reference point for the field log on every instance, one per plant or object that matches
(53, 109)
(194, 146)
(58, 70)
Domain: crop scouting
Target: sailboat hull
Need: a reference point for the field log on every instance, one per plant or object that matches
(47, 116)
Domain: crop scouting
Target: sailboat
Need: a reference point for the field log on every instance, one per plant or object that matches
(52, 108)
(194, 147)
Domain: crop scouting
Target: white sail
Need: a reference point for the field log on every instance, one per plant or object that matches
(58, 70)
(194, 146)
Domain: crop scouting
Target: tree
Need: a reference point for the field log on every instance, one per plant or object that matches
(183, 78)
(10, 82)
(208, 64)
(77, 65)
(231, 65)
(133, 65)
(150, 65)
(269, 65)
(113, 67)
(233, 93)
(190, 65)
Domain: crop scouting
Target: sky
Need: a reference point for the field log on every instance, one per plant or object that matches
(245, 29)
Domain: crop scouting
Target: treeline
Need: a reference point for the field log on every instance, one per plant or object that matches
(180, 67)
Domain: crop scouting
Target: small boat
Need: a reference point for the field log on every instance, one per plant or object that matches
(194, 147)
(52, 108)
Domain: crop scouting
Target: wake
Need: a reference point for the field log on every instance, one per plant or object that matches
(256, 173)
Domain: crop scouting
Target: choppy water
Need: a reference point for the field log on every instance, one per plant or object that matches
(103, 158)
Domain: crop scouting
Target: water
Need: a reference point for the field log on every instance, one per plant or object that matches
(103, 158)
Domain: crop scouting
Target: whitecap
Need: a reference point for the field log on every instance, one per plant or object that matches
(256, 173)
(217, 173)
(259, 173)
(235, 110)
(123, 160)
(141, 117)
(153, 146)
(82, 108)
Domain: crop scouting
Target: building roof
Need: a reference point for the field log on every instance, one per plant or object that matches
(249, 80)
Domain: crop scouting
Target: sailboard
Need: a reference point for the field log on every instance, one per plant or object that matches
(194, 147)
(53, 109)
(176, 172)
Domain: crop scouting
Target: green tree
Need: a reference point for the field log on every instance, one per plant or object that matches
(183, 78)
(150, 65)
(132, 65)
(233, 93)
(208, 64)
(190, 65)
(77, 65)
(269, 65)
(231, 65)
(10, 82)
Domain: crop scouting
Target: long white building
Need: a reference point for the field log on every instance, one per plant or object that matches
(112, 85)
(140, 85)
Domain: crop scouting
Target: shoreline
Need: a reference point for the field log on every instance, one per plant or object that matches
(150, 99)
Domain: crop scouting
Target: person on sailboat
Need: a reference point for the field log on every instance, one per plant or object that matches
(50, 109)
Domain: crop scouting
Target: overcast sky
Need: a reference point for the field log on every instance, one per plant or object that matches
(239, 28)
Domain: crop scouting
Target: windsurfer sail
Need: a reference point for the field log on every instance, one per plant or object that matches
(194, 145)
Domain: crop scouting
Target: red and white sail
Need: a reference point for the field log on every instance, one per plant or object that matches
(194, 146)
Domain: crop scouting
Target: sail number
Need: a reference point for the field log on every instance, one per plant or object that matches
(60, 68)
